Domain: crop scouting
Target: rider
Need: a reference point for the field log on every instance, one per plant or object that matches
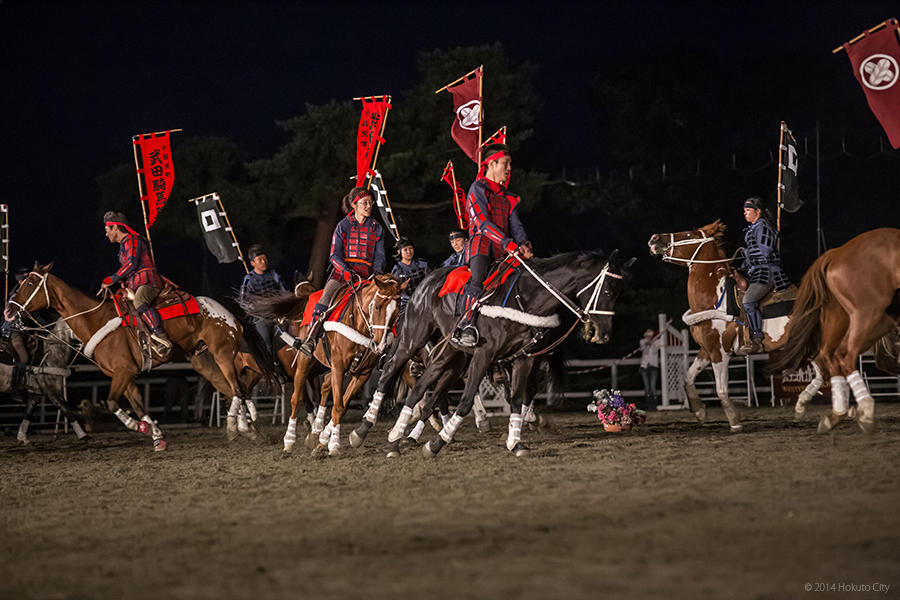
(494, 231)
(138, 273)
(458, 240)
(260, 281)
(409, 268)
(763, 269)
(357, 252)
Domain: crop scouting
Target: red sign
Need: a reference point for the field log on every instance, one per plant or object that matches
(158, 172)
(459, 196)
(467, 105)
(788, 385)
(876, 64)
(371, 124)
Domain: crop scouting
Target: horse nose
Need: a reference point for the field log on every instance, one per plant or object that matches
(605, 337)
(654, 238)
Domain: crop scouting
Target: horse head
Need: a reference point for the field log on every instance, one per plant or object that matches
(599, 297)
(685, 246)
(32, 293)
(378, 303)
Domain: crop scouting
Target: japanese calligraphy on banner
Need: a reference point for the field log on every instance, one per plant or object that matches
(466, 130)
(875, 58)
(368, 137)
(157, 170)
(459, 196)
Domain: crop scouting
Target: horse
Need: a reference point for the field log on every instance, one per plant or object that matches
(211, 339)
(47, 378)
(849, 299)
(363, 326)
(586, 283)
(714, 330)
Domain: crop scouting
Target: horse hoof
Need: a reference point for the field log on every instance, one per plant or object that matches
(483, 426)
(435, 423)
(868, 427)
(24, 441)
(287, 450)
(701, 415)
(320, 451)
(799, 415)
(543, 421)
(312, 440)
(394, 452)
(231, 434)
(737, 428)
(825, 423)
(431, 449)
(521, 450)
(851, 413)
(160, 446)
(334, 451)
(356, 440)
(144, 427)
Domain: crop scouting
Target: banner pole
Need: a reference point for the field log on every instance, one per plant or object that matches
(862, 35)
(480, 117)
(137, 170)
(231, 229)
(380, 136)
(455, 81)
(780, 169)
(455, 199)
(5, 231)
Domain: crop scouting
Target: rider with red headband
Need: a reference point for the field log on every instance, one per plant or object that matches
(138, 273)
(494, 231)
(357, 252)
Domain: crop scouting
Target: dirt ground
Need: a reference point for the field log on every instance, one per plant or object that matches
(673, 509)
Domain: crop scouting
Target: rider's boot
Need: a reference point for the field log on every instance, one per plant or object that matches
(315, 330)
(151, 318)
(466, 335)
(754, 320)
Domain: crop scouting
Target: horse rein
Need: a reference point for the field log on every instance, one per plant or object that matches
(670, 249)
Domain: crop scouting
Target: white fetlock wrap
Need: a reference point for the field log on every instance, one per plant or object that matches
(863, 397)
(326, 433)
(251, 408)
(242, 424)
(445, 419)
(372, 412)
(310, 418)
(400, 426)
(450, 428)
(515, 431)
(79, 432)
(126, 419)
(290, 436)
(22, 435)
(319, 424)
(235, 406)
(479, 410)
(155, 431)
(840, 395)
(416, 431)
(334, 441)
(528, 415)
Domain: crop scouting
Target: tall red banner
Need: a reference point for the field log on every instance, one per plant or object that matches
(499, 137)
(467, 105)
(157, 170)
(875, 59)
(459, 196)
(371, 125)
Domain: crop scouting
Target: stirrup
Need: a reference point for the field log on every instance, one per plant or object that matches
(468, 337)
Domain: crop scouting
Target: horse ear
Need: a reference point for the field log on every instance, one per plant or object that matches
(47, 267)
(404, 285)
(613, 256)
(629, 263)
(36, 266)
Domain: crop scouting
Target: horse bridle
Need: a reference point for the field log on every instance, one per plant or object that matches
(41, 285)
(670, 250)
(584, 315)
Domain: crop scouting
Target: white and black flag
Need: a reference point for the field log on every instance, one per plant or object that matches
(216, 231)
(788, 187)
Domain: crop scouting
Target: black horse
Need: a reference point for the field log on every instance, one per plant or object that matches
(589, 283)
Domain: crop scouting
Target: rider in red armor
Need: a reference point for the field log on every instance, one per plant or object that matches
(137, 273)
(494, 231)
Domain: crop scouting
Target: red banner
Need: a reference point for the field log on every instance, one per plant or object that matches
(499, 137)
(158, 172)
(467, 105)
(459, 196)
(371, 126)
(875, 59)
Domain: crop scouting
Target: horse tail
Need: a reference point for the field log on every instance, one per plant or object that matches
(276, 306)
(253, 344)
(804, 331)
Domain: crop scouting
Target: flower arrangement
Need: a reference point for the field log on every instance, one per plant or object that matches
(615, 413)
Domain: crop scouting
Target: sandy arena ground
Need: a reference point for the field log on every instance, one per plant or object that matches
(671, 510)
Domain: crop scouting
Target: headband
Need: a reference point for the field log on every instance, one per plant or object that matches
(362, 194)
(495, 156)
(111, 223)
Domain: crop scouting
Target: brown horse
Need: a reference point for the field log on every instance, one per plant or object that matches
(715, 331)
(364, 324)
(848, 300)
(117, 350)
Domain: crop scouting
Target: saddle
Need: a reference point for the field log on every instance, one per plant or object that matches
(333, 312)
(887, 353)
(775, 304)
(456, 279)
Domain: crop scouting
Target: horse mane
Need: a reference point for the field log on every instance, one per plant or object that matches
(716, 229)
(570, 259)
(276, 306)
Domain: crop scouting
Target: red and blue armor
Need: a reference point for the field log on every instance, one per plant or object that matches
(357, 248)
(137, 267)
(494, 225)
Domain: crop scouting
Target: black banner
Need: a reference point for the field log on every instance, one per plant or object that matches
(787, 162)
(214, 226)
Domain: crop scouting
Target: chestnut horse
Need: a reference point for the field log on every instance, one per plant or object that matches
(716, 332)
(849, 299)
(364, 324)
(117, 350)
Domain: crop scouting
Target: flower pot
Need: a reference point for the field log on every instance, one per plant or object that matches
(616, 428)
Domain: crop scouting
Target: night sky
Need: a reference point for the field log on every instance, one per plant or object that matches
(81, 78)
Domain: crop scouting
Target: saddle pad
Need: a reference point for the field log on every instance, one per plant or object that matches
(779, 309)
(172, 311)
(334, 315)
(457, 278)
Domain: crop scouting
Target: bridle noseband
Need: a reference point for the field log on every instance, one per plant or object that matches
(41, 285)
(594, 300)
(670, 249)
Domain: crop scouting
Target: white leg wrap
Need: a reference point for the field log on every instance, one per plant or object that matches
(22, 435)
(515, 431)
(334, 441)
(126, 419)
(840, 395)
(372, 412)
(478, 409)
(528, 415)
(251, 408)
(417, 430)
(290, 436)
(310, 418)
(400, 426)
(155, 431)
(326, 433)
(450, 428)
(79, 432)
(319, 424)
(863, 397)
(445, 419)
(242, 424)
(235, 407)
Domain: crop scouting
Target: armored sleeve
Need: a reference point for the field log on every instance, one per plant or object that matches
(130, 263)
(516, 228)
(337, 254)
(244, 291)
(379, 261)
